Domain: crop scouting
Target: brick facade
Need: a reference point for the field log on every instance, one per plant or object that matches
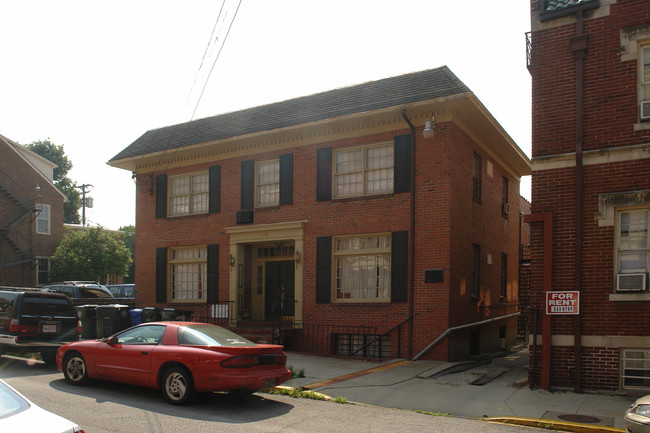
(447, 223)
(616, 176)
(22, 187)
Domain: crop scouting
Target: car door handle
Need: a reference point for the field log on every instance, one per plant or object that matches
(144, 353)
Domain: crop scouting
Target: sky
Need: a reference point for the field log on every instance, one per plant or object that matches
(93, 76)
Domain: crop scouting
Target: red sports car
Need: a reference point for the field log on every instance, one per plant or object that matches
(179, 358)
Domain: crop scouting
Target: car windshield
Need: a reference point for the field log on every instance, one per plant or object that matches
(10, 402)
(93, 292)
(37, 306)
(210, 335)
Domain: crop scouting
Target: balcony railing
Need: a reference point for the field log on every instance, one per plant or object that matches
(529, 50)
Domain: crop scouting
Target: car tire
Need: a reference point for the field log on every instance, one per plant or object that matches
(75, 369)
(177, 385)
(49, 357)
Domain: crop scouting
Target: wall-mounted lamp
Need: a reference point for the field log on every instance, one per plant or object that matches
(231, 260)
(428, 128)
(37, 187)
(297, 257)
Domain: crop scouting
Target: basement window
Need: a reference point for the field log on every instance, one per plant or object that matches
(635, 369)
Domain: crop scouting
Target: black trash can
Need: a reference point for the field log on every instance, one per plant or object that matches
(88, 318)
(111, 319)
(150, 314)
(168, 314)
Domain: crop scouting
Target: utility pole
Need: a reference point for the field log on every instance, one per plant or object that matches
(85, 202)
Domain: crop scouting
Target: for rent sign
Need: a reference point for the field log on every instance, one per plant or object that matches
(563, 302)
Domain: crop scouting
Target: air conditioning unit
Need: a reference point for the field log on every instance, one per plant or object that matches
(631, 282)
(505, 208)
(645, 110)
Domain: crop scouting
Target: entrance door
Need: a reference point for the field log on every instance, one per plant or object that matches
(279, 288)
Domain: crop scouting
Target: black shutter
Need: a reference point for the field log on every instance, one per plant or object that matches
(247, 184)
(323, 270)
(399, 267)
(286, 178)
(213, 273)
(215, 189)
(324, 174)
(161, 196)
(161, 275)
(402, 163)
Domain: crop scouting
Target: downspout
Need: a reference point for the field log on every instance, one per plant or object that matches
(412, 237)
(579, 49)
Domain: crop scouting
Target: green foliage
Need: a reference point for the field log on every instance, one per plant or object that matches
(91, 254)
(67, 186)
(340, 399)
(129, 241)
(296, 373)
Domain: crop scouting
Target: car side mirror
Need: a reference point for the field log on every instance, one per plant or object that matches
(112, 341)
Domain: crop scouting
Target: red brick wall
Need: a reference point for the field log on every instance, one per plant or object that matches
(610, 112)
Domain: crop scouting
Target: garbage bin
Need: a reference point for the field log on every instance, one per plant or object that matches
(136, 316)
(88, 318)
(150, 314)
(168, 314)
(111, 319)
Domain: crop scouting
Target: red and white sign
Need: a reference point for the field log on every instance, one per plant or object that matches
(563, 302)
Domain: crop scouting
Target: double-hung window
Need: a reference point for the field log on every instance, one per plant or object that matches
(42, 270)
(364, 171)
(633, 255)
(189, 273)
(644, 75)
(43, 219)
(189, 194)
(363, 268)
(267, 183)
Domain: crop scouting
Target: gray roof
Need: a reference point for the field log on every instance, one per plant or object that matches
(373, 95)
(564, 7)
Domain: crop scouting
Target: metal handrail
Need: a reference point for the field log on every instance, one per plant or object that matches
(385, 334)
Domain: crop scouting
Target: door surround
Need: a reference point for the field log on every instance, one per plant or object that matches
(261, 233)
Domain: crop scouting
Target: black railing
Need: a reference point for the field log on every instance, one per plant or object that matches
(529, 51)
(377, 341)
(321, 338)
(283, 312)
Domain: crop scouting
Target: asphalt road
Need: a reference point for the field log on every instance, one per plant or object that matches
(106, 407)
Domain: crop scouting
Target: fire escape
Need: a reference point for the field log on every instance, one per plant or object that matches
(15, 240)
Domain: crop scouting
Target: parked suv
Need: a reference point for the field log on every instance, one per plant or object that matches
(34, 321)
(79, 289)
(122, 290)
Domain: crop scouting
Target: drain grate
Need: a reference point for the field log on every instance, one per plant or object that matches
(487, 378)
(585, 419)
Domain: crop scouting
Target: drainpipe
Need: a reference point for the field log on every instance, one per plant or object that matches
(579, 49)
(412, 237)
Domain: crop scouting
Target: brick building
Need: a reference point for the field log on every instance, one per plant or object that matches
(389, 207)
(590, 66)
(31, 216)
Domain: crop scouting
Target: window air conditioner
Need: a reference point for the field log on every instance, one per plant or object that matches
(645, 110)
(631, 282)
(505, 208)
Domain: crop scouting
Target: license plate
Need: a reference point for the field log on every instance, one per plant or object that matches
(49, 329)
(269, 383)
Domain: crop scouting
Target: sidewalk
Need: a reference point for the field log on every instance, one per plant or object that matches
(499, 391)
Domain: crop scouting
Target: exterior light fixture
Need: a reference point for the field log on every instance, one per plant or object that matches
(231, 260)
(297, 257)
(428, 128)
(37, 187)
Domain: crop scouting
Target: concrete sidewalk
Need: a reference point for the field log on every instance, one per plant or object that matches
(499, 391)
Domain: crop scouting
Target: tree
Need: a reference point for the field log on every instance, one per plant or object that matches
(92, 254)
(56, 154)
(129, 241)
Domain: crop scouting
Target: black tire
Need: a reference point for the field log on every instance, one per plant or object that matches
(49, 357)
(177, 385)
(75, 370)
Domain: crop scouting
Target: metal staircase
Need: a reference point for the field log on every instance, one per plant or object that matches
(10, 235)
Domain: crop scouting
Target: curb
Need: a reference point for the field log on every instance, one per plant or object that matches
(553, 425)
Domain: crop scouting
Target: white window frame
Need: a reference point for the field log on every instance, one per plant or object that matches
(267, 184)
(641, 248)
(197, 200)
(635, 365)
(188, 271)
(39, 261)
(643, 80)
(43, 216)
(347, 265)
(364, 171)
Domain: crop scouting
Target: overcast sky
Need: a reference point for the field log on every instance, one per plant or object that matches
(94, 76)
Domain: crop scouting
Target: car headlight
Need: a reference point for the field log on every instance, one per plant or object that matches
(641, 409)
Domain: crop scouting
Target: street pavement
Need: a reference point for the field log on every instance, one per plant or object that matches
(495, 388)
